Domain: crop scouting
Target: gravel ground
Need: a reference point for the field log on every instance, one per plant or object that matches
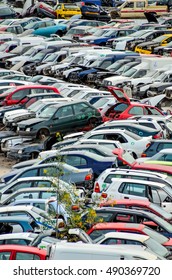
(5, 164)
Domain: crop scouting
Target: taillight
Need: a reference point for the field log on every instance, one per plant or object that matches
(147, 145)
(143, 155)
(104, 195)
(88, 177)
(97, 188)
(158, 135)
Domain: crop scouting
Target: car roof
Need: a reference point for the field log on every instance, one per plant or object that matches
(125, 180)
(127, 235)
(23, 248)
(134, 125)
(157, 167)
(126, 210)
(118, 225)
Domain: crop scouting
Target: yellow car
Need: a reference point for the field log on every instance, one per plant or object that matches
(148, 47)
(66, 11)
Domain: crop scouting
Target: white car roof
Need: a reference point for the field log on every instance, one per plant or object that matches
(126, 235)
(19, 235)
(137, 181)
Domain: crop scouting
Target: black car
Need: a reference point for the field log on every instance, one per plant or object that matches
(110, 214)
(29, 99)
(63, 118)
(156, 146)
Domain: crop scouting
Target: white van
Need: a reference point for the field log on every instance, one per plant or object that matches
(82, 251)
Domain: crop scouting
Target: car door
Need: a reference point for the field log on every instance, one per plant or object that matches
(132, 191)
(83, 112)
(17, 96)
(63, 119)
(162, 198)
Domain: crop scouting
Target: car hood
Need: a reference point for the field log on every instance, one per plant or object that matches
(18, 58)
(10, 114)
(88, 38)
(30, 122)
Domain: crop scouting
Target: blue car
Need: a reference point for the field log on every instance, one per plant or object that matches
(11, 224)
(84, 159)
(59, 30)
(67, 173)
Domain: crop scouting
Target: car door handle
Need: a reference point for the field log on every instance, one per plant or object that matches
(126, 197)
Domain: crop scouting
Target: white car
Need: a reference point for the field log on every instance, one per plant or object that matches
(106, 177)
(129, 140)
(25, 238)
(120, 238)
(154, 192)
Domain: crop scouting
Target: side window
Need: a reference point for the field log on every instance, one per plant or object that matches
(64, 112)
(105, 64)
(75, 160)
(39, 205)
(120, 217)
(129, 5)
(81, 108)
(47, 195)
(140, 4)
(44, 184)
(5, 256)
(116, 137)
(48, 171)
(29, 173)
(97, 136)
(26, 256)
(19, 186)
(17, 241)
(27, 195)
(164, 146)
(133, 189)
(136, 110)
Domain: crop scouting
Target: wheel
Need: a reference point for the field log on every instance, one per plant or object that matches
(43, 134)
(59, 33)
(34, 155)
(92, 122)
(134, 155)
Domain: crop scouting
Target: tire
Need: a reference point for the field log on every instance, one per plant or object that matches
(92, 122)
(43, 134)
(34, 155)
(59, 33)
(134, 155)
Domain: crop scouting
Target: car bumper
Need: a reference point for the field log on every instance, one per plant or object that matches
(31, 134)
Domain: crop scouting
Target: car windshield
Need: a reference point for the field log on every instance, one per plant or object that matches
(48, 112)
(36, 106)
(139, 33)
(161, 211)
(51, 57)
(75, 31)
(130, 72)
(40, 212)
(101, 102)
(115, 66)
(161, 223)
(109, 33)
(156, 247)
(29, 52)
(155, 235)
(68, 59)
(99, 32)
(38, 56)
(160, 38)
(10, 90)
(4, 46)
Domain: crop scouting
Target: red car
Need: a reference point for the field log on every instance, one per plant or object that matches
(14, 95)
(102, 228)
(140, 205)
(142, 166)
(20, 252)
(125, 109)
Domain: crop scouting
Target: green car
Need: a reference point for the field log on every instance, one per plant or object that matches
(62, 117)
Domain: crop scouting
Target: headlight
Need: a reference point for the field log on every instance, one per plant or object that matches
(0, 114)
(109, 83)
(28, 129)
(20, 151)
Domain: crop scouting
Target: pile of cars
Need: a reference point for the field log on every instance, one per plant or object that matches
(85, 105)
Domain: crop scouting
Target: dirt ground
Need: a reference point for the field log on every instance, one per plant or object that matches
(5, 164)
